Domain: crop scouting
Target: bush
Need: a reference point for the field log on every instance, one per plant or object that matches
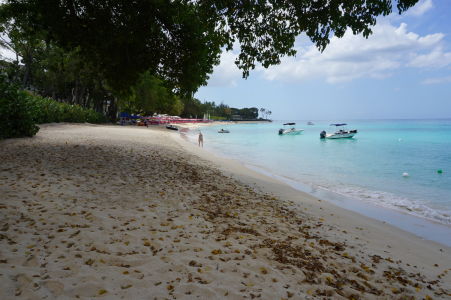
(218, 118)
(20, 111)
(46, 110)
(16, 119)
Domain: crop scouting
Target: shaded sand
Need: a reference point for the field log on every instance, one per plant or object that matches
(135, 213)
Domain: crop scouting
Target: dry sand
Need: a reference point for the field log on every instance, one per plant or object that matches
(116, 212)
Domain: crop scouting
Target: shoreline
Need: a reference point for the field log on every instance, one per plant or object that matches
(256, 173)
(110, 211)
(423, 227)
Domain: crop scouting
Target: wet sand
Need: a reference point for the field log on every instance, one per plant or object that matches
(138, 213)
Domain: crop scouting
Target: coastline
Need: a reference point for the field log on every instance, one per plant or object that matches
(423, 228)
(259, 177)
(185, 199)
(420, 224)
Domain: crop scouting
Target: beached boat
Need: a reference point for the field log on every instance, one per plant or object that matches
(172, 127)
(290, 131)
(223, 131)
(339, 133)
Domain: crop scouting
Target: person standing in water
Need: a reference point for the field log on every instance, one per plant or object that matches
(201, 139)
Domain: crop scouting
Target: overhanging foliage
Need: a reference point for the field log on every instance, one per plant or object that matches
(180, 41)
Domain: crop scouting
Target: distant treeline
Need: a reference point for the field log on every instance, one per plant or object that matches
(224, 112)
(221, 111)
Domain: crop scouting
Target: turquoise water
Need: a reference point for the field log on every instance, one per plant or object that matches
(368, 167)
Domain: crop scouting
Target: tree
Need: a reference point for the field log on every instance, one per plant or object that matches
(263, 111)
(246, 113)
(50, 70)
(16, 117)
(227, 113)
(192, 108)
(25, 43)
(180, 41)
(149, 95)
(175, 40)
(176, 106)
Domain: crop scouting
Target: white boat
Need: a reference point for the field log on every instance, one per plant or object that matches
(223, 131)
(310, 123)
(290, 131)
(339, 133)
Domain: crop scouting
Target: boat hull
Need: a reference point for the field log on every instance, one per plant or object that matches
(291, 132)
(340, 136)
(171, 127)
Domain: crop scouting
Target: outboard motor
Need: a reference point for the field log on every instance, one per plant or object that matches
(322, 135)
(281, 131)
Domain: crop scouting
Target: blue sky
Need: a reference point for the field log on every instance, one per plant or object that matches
(402, 71)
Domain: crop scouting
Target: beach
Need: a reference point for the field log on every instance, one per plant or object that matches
(140, 213)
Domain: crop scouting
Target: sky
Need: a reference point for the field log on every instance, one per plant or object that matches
(402, 71)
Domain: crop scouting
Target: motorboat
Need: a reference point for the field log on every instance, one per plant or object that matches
(310, 123)
(172, 127)
(223, 131)
(290, 131)
(340, 132)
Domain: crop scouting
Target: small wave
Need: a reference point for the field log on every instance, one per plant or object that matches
(378, 198)
(392, 201)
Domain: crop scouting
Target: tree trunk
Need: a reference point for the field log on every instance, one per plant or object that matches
(87, 101)
(27, 73)
(112, 109)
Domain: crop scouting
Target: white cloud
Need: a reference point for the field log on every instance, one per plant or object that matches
(435, 59)
(386, 50)
(226, 73)
(421, 8)
(437, 80)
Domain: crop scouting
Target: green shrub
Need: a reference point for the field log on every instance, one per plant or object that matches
(47, 110)
(218, 118)
(20, 111)
(16, 119)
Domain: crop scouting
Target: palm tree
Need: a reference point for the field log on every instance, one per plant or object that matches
(268, 113)
(262, 110)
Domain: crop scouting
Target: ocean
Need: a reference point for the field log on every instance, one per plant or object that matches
(366, 170)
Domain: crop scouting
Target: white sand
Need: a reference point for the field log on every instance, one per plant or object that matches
(138, 213)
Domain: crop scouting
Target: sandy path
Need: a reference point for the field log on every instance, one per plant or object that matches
(126, 213)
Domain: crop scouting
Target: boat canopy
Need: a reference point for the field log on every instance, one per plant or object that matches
(289, 124)
(129, 116)
(338, 124)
